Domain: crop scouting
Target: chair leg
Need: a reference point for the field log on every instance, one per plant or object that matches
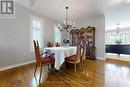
(82, 64)
(40, 73)
(65, 63)
(75, 70)
(48, 67)
(52, 66)
(35, 70)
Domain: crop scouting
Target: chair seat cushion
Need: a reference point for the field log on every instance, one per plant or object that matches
(72, 59)
(49, 59)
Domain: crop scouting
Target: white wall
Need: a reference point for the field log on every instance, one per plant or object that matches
(118, 14)
(15, 36)
(99, 23)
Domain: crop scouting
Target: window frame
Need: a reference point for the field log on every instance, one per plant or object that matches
(55, 34)
(31, 31)
(114, 33)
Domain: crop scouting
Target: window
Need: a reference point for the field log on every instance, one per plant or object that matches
(57, 35)
(112, 37)
(36, 31)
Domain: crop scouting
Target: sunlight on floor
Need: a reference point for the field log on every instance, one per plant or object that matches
(121, 57)
(117, 75)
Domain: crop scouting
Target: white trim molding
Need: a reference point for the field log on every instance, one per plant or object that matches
(16, 65)
(100, 58)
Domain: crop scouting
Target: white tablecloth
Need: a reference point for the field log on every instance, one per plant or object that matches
(61, 53)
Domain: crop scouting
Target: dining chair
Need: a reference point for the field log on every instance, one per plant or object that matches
(75, 59)
(83, 53)
(42, 59)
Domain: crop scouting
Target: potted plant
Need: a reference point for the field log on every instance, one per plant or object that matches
(49, 44)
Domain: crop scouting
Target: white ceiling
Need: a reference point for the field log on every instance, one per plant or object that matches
(78, 9)
(118, 15)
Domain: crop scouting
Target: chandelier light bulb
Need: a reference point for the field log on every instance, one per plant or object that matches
(67, 22)
(73, 24)
(64, 22)
(58, 25)
(70, 23)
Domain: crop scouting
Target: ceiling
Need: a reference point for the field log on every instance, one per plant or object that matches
(78, 9)
(118, 15)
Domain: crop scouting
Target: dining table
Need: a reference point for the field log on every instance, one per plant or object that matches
(60, 53)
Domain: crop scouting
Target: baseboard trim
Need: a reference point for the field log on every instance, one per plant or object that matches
(100, 58)
(16, 65)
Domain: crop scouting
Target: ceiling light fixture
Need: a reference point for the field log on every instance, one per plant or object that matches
(68, 25)
(117, 28)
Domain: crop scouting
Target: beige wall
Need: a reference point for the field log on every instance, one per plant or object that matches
(15, 36)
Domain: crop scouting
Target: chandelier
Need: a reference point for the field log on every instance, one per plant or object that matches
(67, 25)
(118, 28)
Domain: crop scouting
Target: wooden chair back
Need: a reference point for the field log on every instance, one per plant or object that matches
(84, 46)
(84, 50)
(78, 52)
(37, 52)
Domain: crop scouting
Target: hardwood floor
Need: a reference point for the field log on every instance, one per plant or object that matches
(97, 73)
(117, 74)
